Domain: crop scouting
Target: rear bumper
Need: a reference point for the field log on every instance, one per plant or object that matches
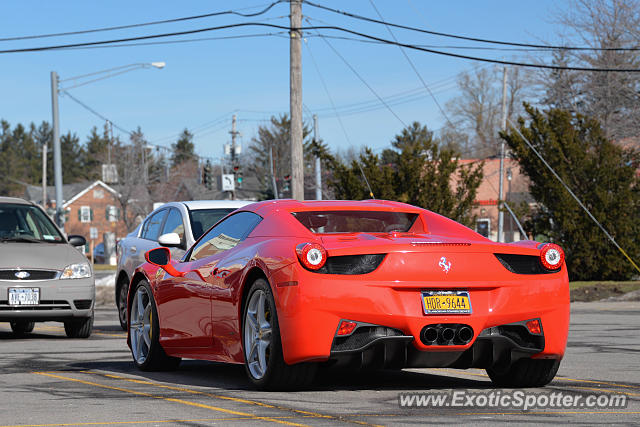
(309, 314)
(59, 300)
(380, 347)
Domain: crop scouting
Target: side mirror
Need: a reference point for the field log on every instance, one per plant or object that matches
(162, 258)
(75, 240)
(170, 240)
(158, 256)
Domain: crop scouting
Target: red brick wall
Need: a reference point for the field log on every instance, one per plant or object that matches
(97, 198)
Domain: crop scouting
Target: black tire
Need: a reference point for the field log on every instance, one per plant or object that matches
(21, 327)
(526, 373)
(278, 374)
(121, 302)
(79, 328)
(155, 358)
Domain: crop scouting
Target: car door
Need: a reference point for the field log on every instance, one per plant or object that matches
(185, 302)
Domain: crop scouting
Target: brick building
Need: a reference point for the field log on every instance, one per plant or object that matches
(91, 210)
(515, 190)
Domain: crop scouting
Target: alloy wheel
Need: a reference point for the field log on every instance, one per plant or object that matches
(140, 325)
(257, 334)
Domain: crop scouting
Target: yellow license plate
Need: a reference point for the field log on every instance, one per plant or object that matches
(446, 302)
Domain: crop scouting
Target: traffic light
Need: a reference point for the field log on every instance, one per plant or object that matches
(207, 175)
(287, 181)
(238, 175)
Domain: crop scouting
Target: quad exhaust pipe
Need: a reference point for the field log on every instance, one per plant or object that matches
(446, 334)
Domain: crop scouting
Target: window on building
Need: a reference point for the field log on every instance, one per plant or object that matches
(483, 227)
(85, 214)
(112, 213)
(98, 194)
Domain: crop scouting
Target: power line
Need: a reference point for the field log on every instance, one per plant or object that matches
(201, 39)
(366, 36)
(144, 24)
(413, 66)
(363, 81)
(91, 110)
(456, 36)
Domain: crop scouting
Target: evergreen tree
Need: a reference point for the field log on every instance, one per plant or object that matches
(72, 158)
(96, 153)
(183, 149)
(416, 171)
(275, 138)
(603, 175)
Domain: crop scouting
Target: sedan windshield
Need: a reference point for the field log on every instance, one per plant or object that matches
(356, 221)
(26, 223)
(204, 219)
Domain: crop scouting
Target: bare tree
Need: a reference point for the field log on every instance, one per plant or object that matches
(478, 109)
(611, 97)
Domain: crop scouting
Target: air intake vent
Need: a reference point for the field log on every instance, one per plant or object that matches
(523, 264)
(82, 304)
(28, 274)
(351, 264)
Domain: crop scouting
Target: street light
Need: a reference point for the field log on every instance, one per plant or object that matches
(55, 90)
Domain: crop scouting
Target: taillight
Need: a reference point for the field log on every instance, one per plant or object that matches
(346, 327)
(311, 255)
(551, 256)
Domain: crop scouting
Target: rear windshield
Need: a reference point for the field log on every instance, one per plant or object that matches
(356, 221)
(203, 219)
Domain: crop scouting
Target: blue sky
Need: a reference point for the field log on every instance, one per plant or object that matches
(205, 82)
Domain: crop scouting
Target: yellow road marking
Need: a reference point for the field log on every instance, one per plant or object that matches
(599, 382)
(605, 390)
(558, 378)
(101, 423)
(548, 412)
(223, 397)
(170, 399)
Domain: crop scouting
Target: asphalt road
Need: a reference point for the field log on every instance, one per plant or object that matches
(47, 379)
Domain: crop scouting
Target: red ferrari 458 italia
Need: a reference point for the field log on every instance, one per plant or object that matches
(283, 286)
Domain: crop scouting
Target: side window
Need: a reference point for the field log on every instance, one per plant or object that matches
(174, 224)
(225, 235)
(151, 228)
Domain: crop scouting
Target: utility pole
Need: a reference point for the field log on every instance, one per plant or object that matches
(233, 133)
(503, 126)
(57, 152)
(273, 177)
(295, 92)
(44, 175)
(234, 159)
(318, 166)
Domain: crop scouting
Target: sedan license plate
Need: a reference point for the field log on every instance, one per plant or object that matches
(446, 302)
(24, 296)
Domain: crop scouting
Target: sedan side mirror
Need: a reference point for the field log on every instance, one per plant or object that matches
(170, 240)
(75, 240)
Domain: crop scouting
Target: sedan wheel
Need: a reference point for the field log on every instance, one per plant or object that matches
(122, 304)
(144, 330)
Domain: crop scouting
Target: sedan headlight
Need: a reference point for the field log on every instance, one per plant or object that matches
(76, 271)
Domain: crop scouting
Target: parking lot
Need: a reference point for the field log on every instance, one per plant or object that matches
(50, 380)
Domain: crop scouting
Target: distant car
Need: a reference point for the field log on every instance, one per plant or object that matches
(283, 285)
(98, 254)
(42, 276)
(176, 225)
